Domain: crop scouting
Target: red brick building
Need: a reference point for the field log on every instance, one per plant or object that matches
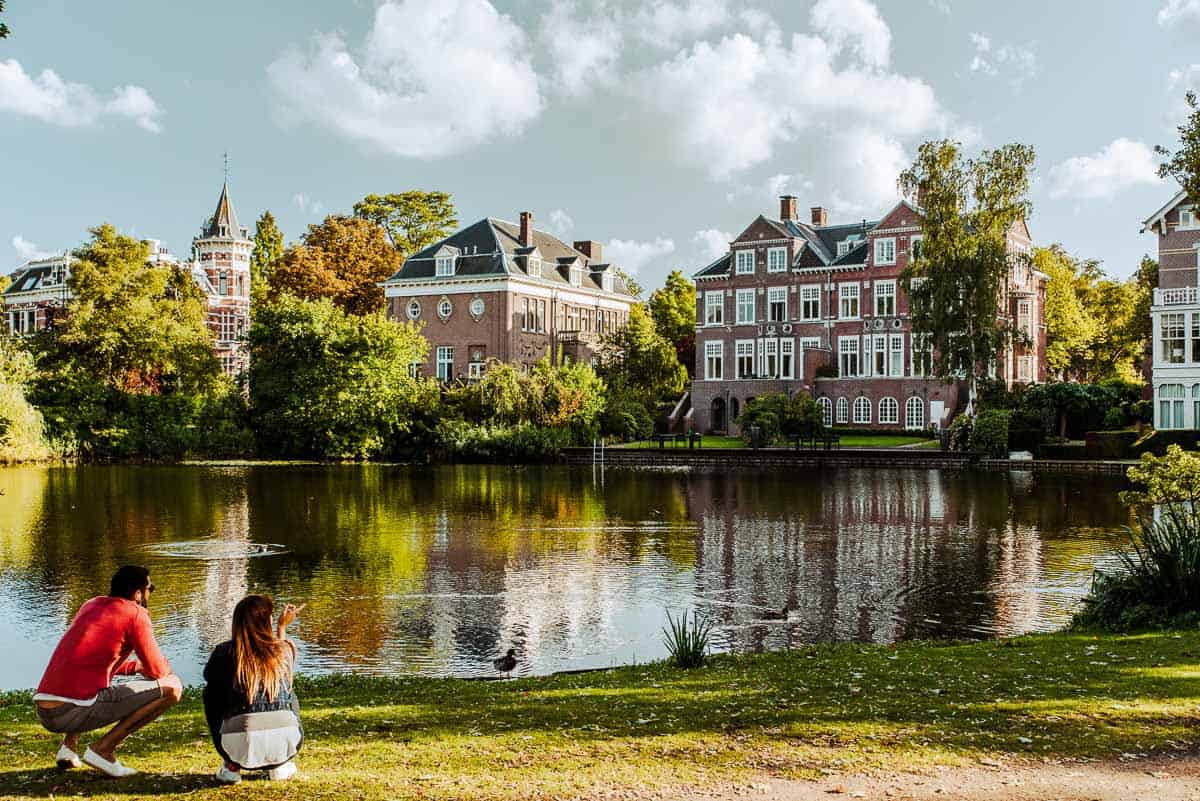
(792, 297)
(495, 290)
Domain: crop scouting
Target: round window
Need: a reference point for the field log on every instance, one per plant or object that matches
(445, 308)
(477, 307)
(414, 309)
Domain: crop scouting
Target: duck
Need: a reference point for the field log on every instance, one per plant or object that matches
(507, 663)
(781, 615)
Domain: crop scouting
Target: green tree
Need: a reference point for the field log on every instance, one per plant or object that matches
(329, 384)
(412, 220)
(673, 308)
(639, 358)
(631, 283)
(343, 259)
(3, 27)
(969, 208)
(1184, 164)
(268, 249)
(1070, 330)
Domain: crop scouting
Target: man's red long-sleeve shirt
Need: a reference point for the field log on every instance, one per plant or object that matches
(105, 631)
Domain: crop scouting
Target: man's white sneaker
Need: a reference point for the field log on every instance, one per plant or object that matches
(67, 759)
(113, 769)
(282, 773)
(227, 776)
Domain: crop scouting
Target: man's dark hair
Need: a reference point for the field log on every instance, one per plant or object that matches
(128, 580)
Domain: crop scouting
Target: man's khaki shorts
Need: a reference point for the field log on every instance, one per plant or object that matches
(112, 704)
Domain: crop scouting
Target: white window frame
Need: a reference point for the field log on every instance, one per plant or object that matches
(777, 260)
(826, 411)
(896, 355)
(849, 297)
(714, 360)
(743, 348)
(445, 363)
(843, 410)
(742, 307)
(1170, 407)
(743, 262)
(445, 308)
(914, 242)
(919, 345)
(885, 250)
(475, 370)
(889, 411)
(787, 357)
(862, 410)
(714, 307)
(914, 421)
(1193, 222)
(810, 293)
(885, 298)
(443, 266)
(1024, 315)
(576, 274)
(1025, 368)
(769, 363)
(849, 347)
(1167, 353)
(843, 247)
(777, 295)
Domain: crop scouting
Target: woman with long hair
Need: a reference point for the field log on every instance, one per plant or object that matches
(253, 714)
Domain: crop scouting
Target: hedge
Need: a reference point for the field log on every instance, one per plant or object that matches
(1156, 442)
(1065, 450)
(1110, 444)
(989, 437)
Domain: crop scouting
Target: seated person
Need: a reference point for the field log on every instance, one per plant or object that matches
(77, 693)
(252, 713)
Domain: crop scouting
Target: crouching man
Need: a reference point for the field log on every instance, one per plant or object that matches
(77, 693)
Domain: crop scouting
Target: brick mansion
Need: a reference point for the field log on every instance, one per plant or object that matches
(809, 305)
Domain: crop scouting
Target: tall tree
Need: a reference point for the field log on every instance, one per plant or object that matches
(1070, 330)
(673, 307)
(1184, 164)
(637, 357)
(343, 259)
(268, 248)
(412, 220)
(3, 27)
(969, 206)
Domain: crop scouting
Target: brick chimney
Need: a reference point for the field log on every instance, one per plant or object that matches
(593, 250)
(527, 228)
(787, 207)
(819, 216)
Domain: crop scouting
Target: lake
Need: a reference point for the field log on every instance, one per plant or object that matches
(437, 570)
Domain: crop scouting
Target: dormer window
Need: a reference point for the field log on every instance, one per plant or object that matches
(1188, 218)
(606, 282)
(843, 247)
(576, 275)
(444, 266)
(535, 264)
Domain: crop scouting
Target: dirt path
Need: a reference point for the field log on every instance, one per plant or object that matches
(1156, 779)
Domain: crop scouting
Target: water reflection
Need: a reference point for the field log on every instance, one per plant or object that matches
(438, 570)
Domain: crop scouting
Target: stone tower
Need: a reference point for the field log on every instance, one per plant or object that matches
(221, 263)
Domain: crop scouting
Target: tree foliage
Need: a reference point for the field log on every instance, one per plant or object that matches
(326, 383)
(1070, 330)
(776, 415)
(1184, 164)
(3, 27)
(969, 207)
(673, 308)
(268, 248)
(638, 357)
(412, 220)
(342, 259)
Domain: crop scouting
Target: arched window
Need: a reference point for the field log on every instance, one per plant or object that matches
(843, 410)
(862, 410)
(1170, 406)
(826, 410)
(889, 410)
(914, 413)
(735, 409)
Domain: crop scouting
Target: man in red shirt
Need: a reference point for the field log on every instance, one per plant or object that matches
(77, 693)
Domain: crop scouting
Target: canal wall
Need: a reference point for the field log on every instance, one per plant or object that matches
(921, 458)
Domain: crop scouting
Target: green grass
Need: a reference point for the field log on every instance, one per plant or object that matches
(847, 441)
(832, 707)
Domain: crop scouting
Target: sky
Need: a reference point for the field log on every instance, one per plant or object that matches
(660, 128)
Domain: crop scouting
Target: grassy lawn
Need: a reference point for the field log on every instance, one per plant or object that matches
(848, 441)
(843, 707)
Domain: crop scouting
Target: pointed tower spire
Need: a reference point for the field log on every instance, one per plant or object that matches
(224, 221)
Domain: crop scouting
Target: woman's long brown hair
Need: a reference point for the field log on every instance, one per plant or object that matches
(260, 657)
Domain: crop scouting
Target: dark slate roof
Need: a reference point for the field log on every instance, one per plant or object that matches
(29, 279)
(223, 216)
(493, 247)
(819, 248)
(720, 266)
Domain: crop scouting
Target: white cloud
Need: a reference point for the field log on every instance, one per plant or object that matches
(560, 224)
(1120, 165)
(1019, 62)
(50, 99)
(785, 184)
(432, 79)
(940, 5)
(711, 243)
(867, 163)
(633, 256)
(1179, 83)
(667, 24)
(313, 208)
(1179, 11)
(583, 51)
(855, 25)
(775, 91)
(26, 250)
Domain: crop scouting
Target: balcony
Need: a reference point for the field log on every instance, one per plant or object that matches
(1181, 296)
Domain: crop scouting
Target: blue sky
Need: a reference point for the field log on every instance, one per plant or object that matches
(659, 128)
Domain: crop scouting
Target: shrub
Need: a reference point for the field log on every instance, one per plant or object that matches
(687, 643)
(776, 416)
(989, 436)
(1110, 444)
(23, 437)
(1062, 450)
(626, 417)
(1158, 442)
(960, 433)
(524, 442)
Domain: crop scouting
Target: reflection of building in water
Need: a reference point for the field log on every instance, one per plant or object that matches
(224, 581)
(1015, 585)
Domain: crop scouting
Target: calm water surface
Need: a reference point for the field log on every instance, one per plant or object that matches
(438, 570)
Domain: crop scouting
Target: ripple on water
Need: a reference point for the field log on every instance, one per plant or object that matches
(213, 550)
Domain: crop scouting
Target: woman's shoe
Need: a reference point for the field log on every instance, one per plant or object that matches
(282, 773)
(227, 776)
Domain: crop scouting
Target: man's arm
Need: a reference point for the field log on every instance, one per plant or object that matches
(150, 661)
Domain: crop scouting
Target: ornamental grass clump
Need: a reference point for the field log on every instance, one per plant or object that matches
(1157, 581)
(687, 642)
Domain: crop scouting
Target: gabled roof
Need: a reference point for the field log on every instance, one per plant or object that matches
(224, 217)
(493, 247)
(33, 277)
(1157, 217)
